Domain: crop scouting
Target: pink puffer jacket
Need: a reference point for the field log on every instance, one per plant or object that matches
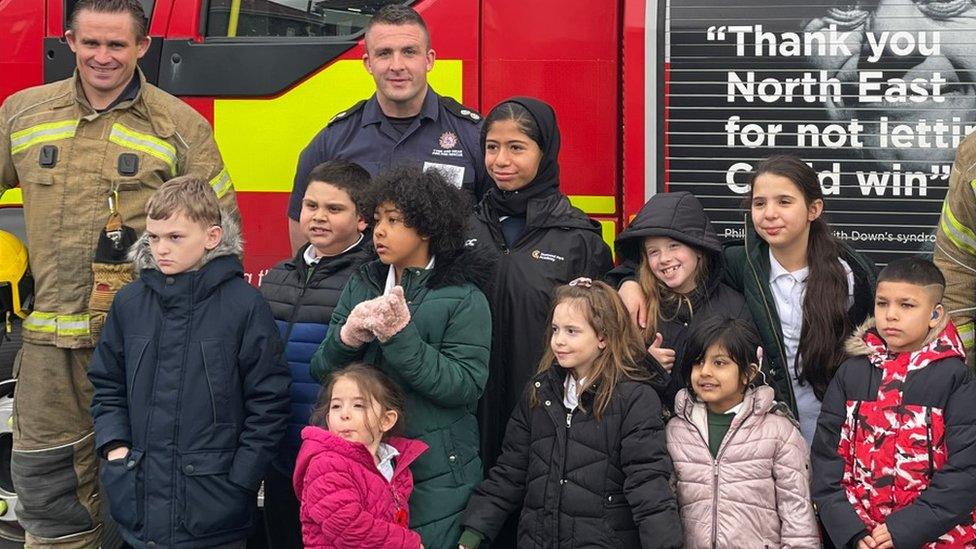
(345, 501)
(757, 492)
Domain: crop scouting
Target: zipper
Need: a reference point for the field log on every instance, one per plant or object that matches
(856, 429)
(715, 470)
(928, 439)
(562, 475)
(298, 304)
(772, 323)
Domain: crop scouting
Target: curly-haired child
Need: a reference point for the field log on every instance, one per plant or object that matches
(420, 315)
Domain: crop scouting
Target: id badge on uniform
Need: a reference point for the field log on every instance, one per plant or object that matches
(453, 174)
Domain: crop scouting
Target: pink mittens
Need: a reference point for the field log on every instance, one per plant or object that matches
(391, 316)
(356, 331)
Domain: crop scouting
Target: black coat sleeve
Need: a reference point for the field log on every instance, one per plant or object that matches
(647, 468)
(829, 496)
(110, 403)
(950, 498)
(503, 491)
(266, 385)
(627, 270)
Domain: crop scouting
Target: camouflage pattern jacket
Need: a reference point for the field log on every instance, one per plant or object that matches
(896, 443)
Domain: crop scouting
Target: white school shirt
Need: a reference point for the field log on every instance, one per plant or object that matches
(571, 393)
(788, 291)
(391, 276)
(312, 258)
(386, 453)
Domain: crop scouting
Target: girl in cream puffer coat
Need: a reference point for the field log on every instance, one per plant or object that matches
(747, 482)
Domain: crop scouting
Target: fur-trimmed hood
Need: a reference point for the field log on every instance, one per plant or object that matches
(942, 341)
(231, 243)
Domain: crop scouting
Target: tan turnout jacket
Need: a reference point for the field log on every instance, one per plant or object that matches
(68, 160)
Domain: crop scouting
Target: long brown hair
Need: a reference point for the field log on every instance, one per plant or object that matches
(660, 298)
(608, 317)
(375, 386)
(825, 321)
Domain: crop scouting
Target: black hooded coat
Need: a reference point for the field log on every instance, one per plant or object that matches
(680, 216)
(559, 243)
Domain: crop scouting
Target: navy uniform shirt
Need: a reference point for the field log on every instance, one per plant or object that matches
(445, 136)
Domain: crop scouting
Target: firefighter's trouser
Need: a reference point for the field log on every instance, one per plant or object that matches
(54, 466)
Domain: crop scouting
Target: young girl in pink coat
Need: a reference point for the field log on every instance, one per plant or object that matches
(352, 476)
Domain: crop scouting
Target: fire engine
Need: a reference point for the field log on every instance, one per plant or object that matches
(651, 96)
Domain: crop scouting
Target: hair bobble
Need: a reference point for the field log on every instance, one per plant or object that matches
(582, 282)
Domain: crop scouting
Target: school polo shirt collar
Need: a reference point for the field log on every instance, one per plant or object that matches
(373, 114)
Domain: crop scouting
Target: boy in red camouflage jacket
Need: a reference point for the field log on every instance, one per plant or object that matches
(894, 457)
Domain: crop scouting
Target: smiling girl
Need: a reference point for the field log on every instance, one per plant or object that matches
(740, 462)
(680, 269)
(539, 240)
(584, 453)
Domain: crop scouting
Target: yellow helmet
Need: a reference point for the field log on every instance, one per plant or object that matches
(13, 272)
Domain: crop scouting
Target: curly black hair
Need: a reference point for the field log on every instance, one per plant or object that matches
(430, 205)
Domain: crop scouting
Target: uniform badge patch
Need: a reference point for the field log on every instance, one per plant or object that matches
(448, 140)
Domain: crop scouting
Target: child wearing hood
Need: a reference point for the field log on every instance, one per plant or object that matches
(191, 384)
(679, 269)
(539, 241)
(418, 313)
(894, 455)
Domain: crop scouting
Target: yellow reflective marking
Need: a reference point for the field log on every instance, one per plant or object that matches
(12, 197)
(960, 235)
(65, 325)
(221, 183)
(146, 143)
(260, 139)
(42, 133)
(594, 204)
(609, 232)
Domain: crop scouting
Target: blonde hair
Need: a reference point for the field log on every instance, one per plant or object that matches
(188, 195)
(624, 350)
(660, 297)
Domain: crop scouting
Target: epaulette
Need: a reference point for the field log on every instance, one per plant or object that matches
(459, 110)
(344, 114)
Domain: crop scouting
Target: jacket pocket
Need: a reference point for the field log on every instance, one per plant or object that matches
(122, 481)
(620, 520)
(219, 380)
(135, 350)
(212, 504)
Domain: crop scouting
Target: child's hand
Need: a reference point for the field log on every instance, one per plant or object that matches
(882, 538)
(867, 542)
(356, 331)
(663, 356)
(117, 453)
(392, 316)
(635, 301)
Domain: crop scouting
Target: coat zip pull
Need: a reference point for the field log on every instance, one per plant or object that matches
(928, 439)
(569, 420)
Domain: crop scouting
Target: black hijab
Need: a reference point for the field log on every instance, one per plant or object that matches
(546, 181)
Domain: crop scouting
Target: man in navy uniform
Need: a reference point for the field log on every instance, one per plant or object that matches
(405, 121)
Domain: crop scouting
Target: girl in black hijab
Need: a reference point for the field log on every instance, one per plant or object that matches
(541, 241)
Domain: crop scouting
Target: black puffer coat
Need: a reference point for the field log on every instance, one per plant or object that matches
(560, 243)
(582, 482)
(680, 216)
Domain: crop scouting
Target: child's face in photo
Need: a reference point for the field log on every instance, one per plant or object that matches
(780, 212)
(395, 242)
(717, 381)
(329, 219)
(673, 263)
(178, 243)
(511, 157)
(355, 418)
(574, 341)
(904, 314)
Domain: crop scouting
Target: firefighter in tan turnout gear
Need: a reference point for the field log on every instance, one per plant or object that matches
(87, 152)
